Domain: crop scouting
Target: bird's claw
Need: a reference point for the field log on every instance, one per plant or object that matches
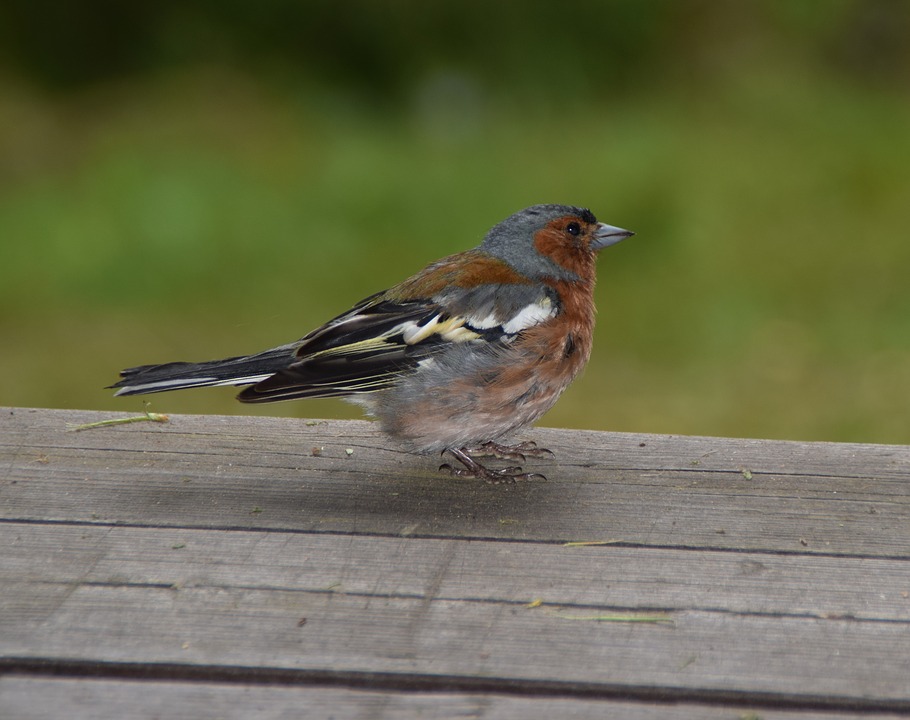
(505, 476)
(473, 469)
(519, 452)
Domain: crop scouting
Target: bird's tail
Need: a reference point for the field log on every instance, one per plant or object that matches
(244, 370)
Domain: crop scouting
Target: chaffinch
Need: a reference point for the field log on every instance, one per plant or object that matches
(454, 359)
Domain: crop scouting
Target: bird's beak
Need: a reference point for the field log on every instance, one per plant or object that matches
(607, 235)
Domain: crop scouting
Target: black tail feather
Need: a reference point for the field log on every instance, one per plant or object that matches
(242, 370)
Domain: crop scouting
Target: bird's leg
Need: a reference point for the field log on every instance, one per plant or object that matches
(474, 469)
(518, 452)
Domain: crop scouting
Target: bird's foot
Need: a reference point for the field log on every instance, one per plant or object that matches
(519, 452)
(473, 469)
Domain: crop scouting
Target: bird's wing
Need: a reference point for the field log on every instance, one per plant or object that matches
(383, 337)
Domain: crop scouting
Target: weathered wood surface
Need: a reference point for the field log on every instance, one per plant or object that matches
(217, 562)
(39, 698)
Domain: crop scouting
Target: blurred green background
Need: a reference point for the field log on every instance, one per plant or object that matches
(197, 179)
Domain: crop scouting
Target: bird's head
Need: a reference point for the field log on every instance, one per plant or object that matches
(551, 241)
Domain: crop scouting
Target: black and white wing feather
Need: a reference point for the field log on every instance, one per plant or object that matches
(363, 350)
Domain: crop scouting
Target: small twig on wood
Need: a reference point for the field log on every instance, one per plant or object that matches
(148, 417)
(619, 618)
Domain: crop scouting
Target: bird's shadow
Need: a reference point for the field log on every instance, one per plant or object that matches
(418, 500)
(412, 499)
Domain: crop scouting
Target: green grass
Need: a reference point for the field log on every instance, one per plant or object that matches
(199, 216)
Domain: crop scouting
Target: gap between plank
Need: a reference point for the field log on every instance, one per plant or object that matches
(462, 538)
(245, 675)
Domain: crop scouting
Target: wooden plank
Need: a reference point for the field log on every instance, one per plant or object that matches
(447, 611)
(644, 490)
(446, 642)
(785, 567)
(641, 579)
(37, 698)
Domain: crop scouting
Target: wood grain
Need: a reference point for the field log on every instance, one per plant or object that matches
(224, 552)
(30, 698)
(260, 472)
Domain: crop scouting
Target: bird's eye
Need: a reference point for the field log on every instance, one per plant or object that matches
(573, 228)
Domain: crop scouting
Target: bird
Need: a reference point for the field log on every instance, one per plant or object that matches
(453, 360)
